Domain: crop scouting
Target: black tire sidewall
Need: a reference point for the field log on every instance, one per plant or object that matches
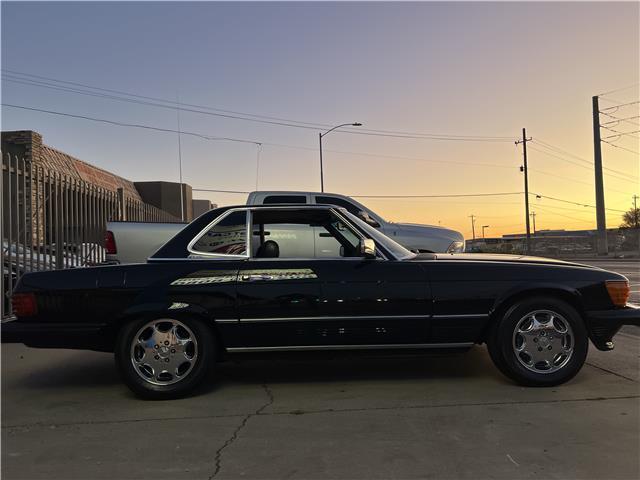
(501, 346)
(201, 370)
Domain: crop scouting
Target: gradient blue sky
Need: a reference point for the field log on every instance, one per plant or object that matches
(457, 68)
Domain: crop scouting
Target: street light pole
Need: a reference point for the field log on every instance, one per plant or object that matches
(483, 227)
(320, 135)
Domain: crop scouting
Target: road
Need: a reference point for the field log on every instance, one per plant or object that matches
(65, 414)
(628, 268)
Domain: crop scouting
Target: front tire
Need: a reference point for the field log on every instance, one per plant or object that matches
(164, 358)
(539, 342)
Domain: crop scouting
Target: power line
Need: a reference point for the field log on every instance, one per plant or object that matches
(132, 125)
(588, 162)
(538, 195)
(394, 157)
(616, 107)
(621, 148)
(549, 212)
(626, 120)
(206, 110)
(217, 191)
(619, 134)
(574, 180)
(385, 196)
(611, 175)
(441, 196)
(619, 89)
(618, 120)
(255, 142)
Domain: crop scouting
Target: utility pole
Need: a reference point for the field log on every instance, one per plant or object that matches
(321, 172)
(533, 216)
(636, 217)
(473, 225)
(601, 220)
(526, 186)
(180, 162)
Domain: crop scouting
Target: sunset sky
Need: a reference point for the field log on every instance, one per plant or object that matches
(458, 69)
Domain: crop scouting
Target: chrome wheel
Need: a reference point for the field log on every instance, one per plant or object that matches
(164, 351)
(543, 341)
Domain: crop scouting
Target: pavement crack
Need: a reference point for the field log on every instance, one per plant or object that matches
(236, 432)
(611, 372)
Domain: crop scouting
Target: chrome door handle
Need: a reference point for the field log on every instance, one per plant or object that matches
(255, 278)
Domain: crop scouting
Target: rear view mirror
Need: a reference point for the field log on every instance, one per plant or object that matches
(368, 248)
(364, 216)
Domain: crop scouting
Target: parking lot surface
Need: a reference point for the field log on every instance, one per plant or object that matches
(65, 414)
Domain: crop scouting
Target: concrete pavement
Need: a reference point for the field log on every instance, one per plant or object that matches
(66, 415)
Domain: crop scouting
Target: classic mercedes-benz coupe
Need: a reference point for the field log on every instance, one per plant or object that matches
(228, 282)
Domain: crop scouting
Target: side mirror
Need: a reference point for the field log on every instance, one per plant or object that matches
(367, 218)
(368, 248)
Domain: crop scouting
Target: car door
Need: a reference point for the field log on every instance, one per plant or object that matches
(380, 302)
(278, 296)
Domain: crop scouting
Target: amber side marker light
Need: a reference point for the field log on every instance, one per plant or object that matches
(618, 292)
(24, 304)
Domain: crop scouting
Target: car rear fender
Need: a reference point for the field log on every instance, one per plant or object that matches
(169, 309)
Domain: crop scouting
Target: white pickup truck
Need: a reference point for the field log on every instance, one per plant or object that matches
(133, 242)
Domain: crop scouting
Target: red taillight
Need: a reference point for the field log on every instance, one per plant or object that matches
(24, 304)
(618, 292)
(110, 243)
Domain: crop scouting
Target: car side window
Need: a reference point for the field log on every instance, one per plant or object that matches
(295, 234)
(226, 237)
(285, 199)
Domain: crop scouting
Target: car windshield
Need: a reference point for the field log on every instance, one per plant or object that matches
(397, 250)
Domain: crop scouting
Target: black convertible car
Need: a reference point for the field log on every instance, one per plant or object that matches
(299, 277)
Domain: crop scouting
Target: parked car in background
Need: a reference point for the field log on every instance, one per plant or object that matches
(134, 242)
(414, 237)
(223, 285)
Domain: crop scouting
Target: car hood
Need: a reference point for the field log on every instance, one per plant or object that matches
(434, 230)
(487, 257)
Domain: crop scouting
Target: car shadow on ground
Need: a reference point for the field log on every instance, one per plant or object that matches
(91, 369)
(346, 367)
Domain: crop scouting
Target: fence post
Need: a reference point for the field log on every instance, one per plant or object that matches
(122, 216)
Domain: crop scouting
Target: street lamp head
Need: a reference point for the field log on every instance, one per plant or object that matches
(357, 124)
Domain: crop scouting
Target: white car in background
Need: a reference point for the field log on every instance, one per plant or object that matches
(134, 242)
(419, 238)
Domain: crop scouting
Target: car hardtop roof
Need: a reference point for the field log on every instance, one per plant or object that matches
(211, 214)
(296, 192)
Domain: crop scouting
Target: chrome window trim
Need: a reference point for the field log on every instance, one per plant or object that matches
(213, 223)
(379, 253)
(249, 210)
(381, 346)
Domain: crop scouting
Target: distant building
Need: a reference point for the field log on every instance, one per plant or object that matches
(202, 206)
(165, 196)
(28, 144)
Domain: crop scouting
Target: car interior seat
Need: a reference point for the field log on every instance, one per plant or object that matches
(268, 249)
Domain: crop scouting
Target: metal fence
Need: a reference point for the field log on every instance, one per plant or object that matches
(53, 221)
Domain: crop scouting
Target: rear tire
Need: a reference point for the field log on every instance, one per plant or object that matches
(165, 358)
(539, 342)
